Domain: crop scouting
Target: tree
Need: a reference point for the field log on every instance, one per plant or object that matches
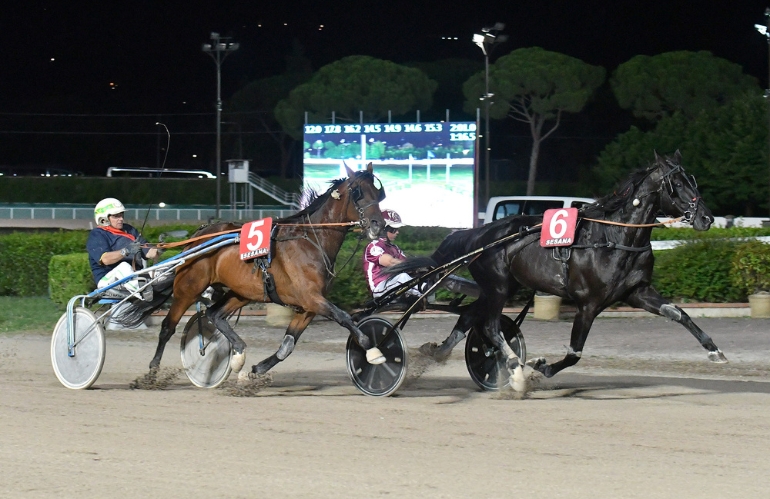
(725, 148)
(253, 106)
(353, 84)
(535, 86)
(653, 87)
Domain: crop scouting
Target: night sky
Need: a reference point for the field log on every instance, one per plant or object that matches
(61, 57)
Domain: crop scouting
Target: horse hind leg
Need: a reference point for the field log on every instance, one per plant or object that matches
(297, 325)
(580, 328)
(441, 353)
(218, 315)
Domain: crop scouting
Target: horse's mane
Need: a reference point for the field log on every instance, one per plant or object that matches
(619, 196)
(316, 201)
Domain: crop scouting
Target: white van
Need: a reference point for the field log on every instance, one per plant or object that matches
(505, 206)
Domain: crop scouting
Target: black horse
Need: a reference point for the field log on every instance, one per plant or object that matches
(610, 260)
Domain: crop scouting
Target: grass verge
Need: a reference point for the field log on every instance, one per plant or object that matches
(22, 314)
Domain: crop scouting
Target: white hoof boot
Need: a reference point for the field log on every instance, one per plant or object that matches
(236, 363)
(518, 380)
(374, 356)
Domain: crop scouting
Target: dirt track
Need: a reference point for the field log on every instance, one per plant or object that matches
(641, 416)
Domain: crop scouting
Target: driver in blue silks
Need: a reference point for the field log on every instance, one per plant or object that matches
(112, 246)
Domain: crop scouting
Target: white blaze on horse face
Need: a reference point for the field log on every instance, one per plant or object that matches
(335, 194)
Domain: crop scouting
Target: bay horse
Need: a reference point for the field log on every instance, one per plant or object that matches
(305, 248)
(610, 261)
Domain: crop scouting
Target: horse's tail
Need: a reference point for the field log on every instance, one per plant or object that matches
(137, 311)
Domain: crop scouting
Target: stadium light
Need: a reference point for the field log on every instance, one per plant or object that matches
(218, 49)
(487, 42)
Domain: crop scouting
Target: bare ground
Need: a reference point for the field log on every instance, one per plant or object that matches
(643, 415)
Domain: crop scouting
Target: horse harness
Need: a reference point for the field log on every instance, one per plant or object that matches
(263, 263)
(562, 254)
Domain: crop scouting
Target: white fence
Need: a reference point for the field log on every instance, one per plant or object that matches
(170, 215)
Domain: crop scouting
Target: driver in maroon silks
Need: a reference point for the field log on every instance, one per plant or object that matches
(383, 253)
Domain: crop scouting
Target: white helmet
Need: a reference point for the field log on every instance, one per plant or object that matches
(105, 208)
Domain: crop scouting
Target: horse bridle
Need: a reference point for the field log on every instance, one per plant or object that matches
(667, 185)
(356, 195)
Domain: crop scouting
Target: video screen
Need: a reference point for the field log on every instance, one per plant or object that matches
(427, 168)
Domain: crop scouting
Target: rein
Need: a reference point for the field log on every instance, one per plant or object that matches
(209, 236)
(621, 224)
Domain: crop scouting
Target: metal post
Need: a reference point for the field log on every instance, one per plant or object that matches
(767, 99)
(486, 42)
(486, 125)
(218, 50)
(219, 132)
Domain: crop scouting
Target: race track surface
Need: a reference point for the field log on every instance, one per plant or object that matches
(643, 415)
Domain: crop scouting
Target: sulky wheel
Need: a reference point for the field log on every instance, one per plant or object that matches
(383, 379)
(206, 352)
(485, 362)
(80, 368)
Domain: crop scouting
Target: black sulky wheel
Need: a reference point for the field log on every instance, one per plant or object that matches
(383, 379)
(485, 361)
(205, 352)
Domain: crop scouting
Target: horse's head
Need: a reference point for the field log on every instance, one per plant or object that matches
(679, 194)
(364, 193)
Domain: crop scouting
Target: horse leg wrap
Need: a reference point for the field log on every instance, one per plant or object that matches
(572, 353)
(671, 311)
(510, 355)
(374, 356)
(287, 346)
(237, 361)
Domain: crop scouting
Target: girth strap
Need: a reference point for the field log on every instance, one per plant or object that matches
(269, 282)
(611, 245)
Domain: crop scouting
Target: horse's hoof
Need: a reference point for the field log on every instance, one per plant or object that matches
(429, 349)
(538, 364)
(237, 361)
(374, 356)
(717, 357)
(244, 376)
(518, 380)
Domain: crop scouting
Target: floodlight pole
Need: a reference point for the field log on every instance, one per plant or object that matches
(486, 43)
(218, 49)
(486, 124)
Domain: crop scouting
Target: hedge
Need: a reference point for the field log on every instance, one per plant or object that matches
(24, 259)
(698, 271)
(68, 276)
(89, 190)
(751, 267)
